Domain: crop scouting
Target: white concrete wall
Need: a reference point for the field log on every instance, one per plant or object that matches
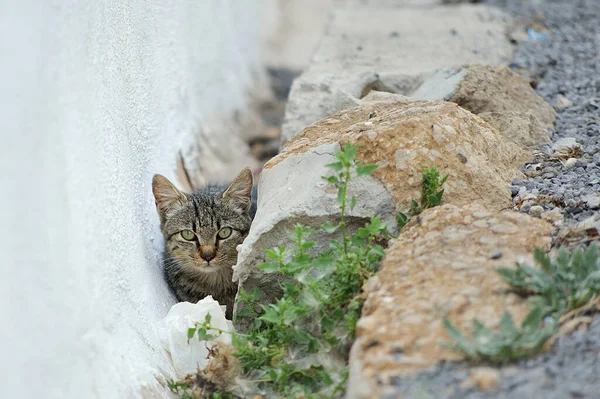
(95, 97)
(292, 29)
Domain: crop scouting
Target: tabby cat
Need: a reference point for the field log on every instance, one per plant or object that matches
(202, 231)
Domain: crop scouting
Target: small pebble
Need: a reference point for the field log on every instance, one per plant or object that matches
(496, 255)
(592, 201)
(554, 216)
(565, 144)
(525, 207)
(484, 377)
(562, 102)
(570, 162)
(590, 167)
(536, 211)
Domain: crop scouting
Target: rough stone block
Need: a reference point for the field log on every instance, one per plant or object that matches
(498, 95)
(443, 266)
(293, 192)
(391, 48)
(403, 138)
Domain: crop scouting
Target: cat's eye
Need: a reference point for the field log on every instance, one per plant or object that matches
(224, 232)
(188, 235)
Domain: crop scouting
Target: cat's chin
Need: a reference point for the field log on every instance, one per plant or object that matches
(205, 267)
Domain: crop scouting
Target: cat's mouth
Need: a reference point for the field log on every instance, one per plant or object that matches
(207, 266)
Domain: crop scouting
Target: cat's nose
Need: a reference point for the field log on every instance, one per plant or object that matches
(207, 253)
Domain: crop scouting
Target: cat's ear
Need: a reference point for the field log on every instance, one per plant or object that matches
(166, 195)
(240, 190)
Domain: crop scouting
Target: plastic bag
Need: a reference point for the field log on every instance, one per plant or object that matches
(188, 357)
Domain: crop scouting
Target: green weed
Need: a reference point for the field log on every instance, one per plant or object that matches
(432, 193)
(504, 345)
(559, 285)
(178, 387)
(567, 282)
(298, 347)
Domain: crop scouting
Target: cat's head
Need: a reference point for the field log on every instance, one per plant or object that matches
(203, 229)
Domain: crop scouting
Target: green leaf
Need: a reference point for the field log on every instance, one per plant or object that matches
(438, 197)
(190, 333)
(362, 232)
(507, 324)
(352, 202)
(402, 219)
(350, 151)
(296, 266)
(290, 315)
(203, 335)
(375, 224)
(270, 315)
(507, 273)
(255, 294)
(307, 245)
(323, 260)
(269, 267)
(272, 373)
(539, 281)
(246, 311)
(376, 253)
(329, 227)
(457, 337)
(331, 179)
(327, 378)
(335, 166)
(340, 196)
(365, 170)
(532, 321)
(272, 254)
(542, 259)
(479, 328)
(415, 208)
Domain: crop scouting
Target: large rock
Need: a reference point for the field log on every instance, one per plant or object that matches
(293, 192)
(391, 48)
(403, 138)
(522, 128)
(442, 266)
(498, 95)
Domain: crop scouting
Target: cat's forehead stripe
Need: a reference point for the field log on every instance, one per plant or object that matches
(209, 212)
(196, 208)
(208, 216)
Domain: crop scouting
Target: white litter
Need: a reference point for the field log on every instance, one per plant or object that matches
(189, 357)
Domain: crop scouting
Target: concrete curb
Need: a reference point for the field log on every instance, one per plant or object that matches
(387, 48)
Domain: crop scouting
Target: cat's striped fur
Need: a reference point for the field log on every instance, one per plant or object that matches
(200, 264)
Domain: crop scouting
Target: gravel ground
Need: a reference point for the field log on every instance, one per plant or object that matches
(571, 370)
(565, 69)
